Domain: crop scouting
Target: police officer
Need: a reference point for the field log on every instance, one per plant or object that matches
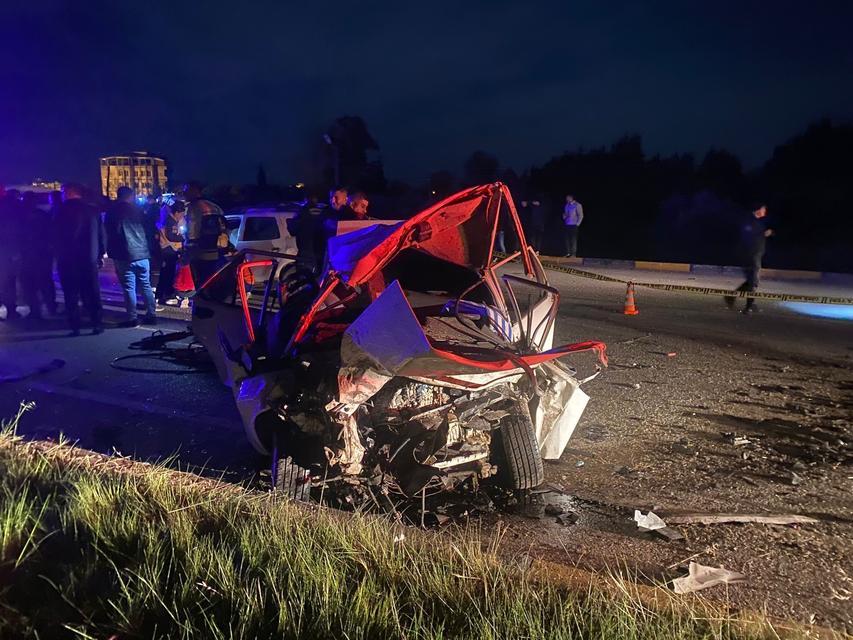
(308, 227)
(80, 246)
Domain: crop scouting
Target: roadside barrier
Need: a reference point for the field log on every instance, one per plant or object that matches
(711, 291)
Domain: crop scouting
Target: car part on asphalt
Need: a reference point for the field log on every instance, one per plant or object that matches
(701, 577)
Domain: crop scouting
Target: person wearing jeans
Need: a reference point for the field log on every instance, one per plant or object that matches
(129, 274)
(127, 245)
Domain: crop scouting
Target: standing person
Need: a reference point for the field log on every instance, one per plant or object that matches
(524, 218)
(207, 234)
(80, 246)
(572, 218)
(151, 216)
(10, 249)
(340, 205)
(127, 245)
(37, 258)
(55, 199)
(754, 236)
(338, 200)
(358, 204)
(171, 245)
(308, 229)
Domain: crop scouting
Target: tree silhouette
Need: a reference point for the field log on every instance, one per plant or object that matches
(355, 151)
(441, 184)
(480, 168)
(721, 171)
(808, 186)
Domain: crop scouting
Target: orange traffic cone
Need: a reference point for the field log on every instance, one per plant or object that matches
(630, 307)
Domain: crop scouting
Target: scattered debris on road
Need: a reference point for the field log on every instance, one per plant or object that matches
(668, 533)
(567, 519)
(702, 577)
(739, 518)
(649, 521)
(735, 439)
(554, 510)
(655, 524)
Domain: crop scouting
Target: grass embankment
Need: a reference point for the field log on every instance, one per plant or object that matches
(92, 547)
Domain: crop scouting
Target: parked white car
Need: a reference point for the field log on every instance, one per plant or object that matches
(262, 229)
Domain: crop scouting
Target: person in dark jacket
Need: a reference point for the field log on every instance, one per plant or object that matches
(127, 245)
(308, 229)
(151, 216)
(338, 197)
(171, 245)
(754, 236)
(534, 216)
(358, 204)
(37, 258)
(10, 249)
(80, 245)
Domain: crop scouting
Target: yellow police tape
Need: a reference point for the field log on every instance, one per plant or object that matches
(703, 290)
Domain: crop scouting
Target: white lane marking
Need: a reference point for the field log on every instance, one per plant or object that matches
(134, 405)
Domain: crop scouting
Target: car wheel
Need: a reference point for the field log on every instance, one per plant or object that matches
(516, 450)
(288, 478)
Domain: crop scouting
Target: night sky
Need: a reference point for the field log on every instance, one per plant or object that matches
(220, 86)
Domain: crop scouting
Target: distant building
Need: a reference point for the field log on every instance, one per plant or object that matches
(37, 186)
(141, 171)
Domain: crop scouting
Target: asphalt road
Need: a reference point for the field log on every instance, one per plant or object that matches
(682, 372)
(181, 412)
(191, 415)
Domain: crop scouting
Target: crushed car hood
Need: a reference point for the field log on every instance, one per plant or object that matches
(452, 230)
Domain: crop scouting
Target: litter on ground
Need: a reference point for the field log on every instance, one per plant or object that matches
(701, 577)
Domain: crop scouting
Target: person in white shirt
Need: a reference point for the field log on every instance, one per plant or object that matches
(572, 218)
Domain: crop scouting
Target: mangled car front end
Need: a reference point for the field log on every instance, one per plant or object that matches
(414, 364)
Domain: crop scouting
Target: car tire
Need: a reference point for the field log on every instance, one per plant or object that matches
(289, 479)
(517, 450)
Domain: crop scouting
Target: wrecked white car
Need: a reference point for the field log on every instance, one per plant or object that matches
(414, 365)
